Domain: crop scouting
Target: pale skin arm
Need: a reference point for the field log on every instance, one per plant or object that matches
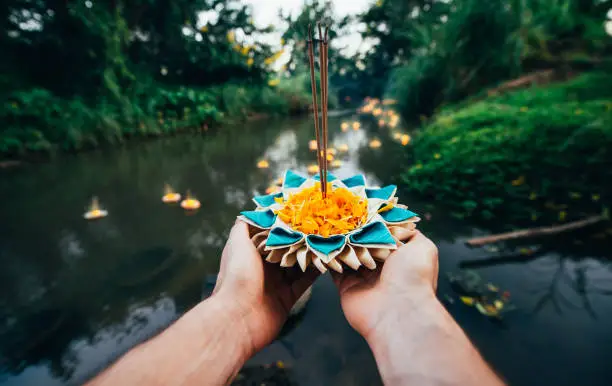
(414, 340)
(211, 342)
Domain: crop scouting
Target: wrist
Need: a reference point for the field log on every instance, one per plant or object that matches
(410, 318)
(400, 312)
(231, 317)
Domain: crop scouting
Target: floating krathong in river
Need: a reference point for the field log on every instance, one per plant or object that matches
(170, 196)
(94, 211)
(405, 139)
(313, 169)
(190, 203)
(325, 221)
(312, 145)
(343, 148)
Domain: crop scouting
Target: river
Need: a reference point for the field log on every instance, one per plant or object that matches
(74, 295)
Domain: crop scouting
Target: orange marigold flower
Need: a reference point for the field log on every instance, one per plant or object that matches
(339, 213)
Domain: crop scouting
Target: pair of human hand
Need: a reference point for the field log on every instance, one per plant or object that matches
(264, 293)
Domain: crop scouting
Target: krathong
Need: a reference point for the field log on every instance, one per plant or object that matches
(94, 211)
(322, 220)
(190, 202)
(405, 140)
(313, 169)
(354, 226)
(343, 148)
(170, 196)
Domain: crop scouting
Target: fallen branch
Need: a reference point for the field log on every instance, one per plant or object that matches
(534, 232)
(538, 77)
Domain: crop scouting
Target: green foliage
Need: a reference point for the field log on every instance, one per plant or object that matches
(432, 52)
(86, 73)
(540, 153)
(36, 120)
(297, 90)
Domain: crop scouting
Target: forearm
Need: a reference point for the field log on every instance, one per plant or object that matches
(420, 344)
(206, 346)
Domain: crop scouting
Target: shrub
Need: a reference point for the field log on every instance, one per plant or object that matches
(537, 153)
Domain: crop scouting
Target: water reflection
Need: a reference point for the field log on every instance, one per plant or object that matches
(74, 295)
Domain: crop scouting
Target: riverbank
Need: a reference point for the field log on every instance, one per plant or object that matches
(536, 155)
(38, 123)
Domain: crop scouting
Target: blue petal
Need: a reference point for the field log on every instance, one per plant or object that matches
(326, 245)
(293, 180)
(356, 180)
(280, 236)
(262, 218)
(382, 193)
(374, 233)
(268, 200)
(330, 177)
(397, 214)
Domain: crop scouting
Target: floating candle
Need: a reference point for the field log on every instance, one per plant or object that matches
(405, 139)
(190, 203)
(313, 169)
(170, 196)
(273, 189)
(336, 163)
(95, 211)
(343, 148)
(375, 143)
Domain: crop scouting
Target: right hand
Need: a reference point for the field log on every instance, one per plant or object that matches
(407, 278)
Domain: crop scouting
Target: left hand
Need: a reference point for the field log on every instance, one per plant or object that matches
(262, 293)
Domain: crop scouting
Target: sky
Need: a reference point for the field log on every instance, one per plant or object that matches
(265, 12)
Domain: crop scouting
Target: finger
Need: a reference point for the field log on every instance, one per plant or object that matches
(236, 247)
(417, 240)
(435, 277)
(422, 250)
(239, 246)
(350, 279)
(239, 232)
(371, 274)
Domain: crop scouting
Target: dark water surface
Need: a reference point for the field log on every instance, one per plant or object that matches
(74, 294)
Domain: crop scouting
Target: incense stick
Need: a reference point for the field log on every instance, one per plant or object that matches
(326, 83)
(322, 66)
(315, 104)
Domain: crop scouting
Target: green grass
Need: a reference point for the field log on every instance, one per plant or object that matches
(540, 154)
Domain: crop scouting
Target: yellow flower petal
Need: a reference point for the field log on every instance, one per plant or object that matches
(308, 212)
